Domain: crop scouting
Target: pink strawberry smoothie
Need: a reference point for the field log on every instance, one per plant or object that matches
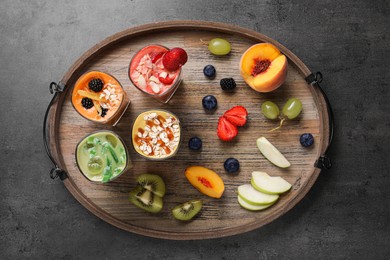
(148, 74)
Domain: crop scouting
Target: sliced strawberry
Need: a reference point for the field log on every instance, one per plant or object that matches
(236, 115)
(167, 80)
(226, 131)
(174, 59)
(155, 56)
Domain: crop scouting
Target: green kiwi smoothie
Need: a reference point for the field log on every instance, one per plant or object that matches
(102, 156)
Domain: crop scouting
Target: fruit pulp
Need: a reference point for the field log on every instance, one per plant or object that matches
(102, 156)
(148, 74)
(156, 134)
(262, 182)
(272, 153)
(252, 207)
(263, 67)
(205, 180)
(112, 97)
(153, 183)
(252, 196)
(146, 200)
(187, 210)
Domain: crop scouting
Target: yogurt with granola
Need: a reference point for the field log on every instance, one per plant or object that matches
(156, 134)
(99, 97)
(149, 75)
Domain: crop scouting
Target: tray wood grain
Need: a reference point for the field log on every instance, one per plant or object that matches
(219, 217)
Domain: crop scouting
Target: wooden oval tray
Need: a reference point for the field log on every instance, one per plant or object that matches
(219, 217)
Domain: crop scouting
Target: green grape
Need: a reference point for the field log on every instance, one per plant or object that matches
(270, 110)
(95, 165)
(292, 108)
(219, 46)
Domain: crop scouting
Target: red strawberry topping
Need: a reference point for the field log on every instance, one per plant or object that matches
(226, 131)
(167, 80)
(156, 56)
(174, 59)
(236, 115)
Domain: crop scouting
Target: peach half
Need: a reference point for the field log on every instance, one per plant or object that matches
(263, 67)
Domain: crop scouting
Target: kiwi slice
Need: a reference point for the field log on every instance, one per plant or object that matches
(187, 210)
(153, 183)
(146, 200)
(95, 165)
(112, 140)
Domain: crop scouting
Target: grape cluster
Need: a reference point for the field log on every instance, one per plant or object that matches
(291, 110)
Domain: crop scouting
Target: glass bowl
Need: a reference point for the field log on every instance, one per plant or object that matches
(165, 94)
(117, 100)
(159, 130)
(102, 156)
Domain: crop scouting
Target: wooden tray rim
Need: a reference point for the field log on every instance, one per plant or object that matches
(174, 26)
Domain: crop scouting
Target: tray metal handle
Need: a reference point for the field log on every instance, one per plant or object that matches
(56, 89)
(323, 162)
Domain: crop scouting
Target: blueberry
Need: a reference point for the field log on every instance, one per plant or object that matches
(306, 139)
(209, 71)
(231, 165)
(209, 102)
(195, 143)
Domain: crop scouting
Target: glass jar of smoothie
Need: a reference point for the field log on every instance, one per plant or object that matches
(102, 156)
(99, 97)
(147, 73)
(156, 134)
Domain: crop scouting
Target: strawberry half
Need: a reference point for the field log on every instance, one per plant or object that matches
(174, 59)
(156, 56)
(236, 115)
(226, 131)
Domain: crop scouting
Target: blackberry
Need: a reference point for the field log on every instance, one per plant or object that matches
(227, 84)
(95, 85)
(104, 111)
(87, 103)
(209, 71)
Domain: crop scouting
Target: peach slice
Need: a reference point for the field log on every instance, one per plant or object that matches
(263, 67)
(205, 180)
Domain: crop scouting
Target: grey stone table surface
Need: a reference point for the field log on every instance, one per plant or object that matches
(344, 216)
